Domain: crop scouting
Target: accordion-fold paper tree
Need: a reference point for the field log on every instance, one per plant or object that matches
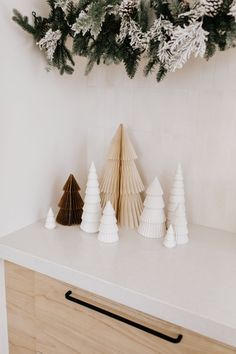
(71, 203)
(121, 183)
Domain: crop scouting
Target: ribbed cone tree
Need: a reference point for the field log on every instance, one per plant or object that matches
(180, 225)
(108, 230)
(71, 204)
(152, 220)
(92, 207)
(121, 183)
(177, 195)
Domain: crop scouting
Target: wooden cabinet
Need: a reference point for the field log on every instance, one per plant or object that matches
(20, 309)
(42, 321)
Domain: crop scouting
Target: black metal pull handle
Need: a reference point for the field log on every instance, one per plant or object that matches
(123, 319)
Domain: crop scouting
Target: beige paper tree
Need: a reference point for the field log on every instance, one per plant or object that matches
(110, 183)
(121, 182)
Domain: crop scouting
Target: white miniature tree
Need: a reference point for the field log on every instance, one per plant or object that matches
(92, 207)
(152, 220)
(108, 229)
(50, 223)
(170, 239)
(176, 195)
(180, 225)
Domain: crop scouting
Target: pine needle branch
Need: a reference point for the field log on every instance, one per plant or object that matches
(161, 73)
(23, 22)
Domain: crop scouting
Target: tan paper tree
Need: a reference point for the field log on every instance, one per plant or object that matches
(121, 183)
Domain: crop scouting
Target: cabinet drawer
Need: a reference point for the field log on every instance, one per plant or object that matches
(54, 325)
(81, 330)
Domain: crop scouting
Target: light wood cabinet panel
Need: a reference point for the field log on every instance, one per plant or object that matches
(87, 332)
(59, 326)
(20, 309)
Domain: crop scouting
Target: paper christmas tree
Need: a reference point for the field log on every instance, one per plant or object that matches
(170, 239)
(152, 220)
(71, 203)
(180, 225)
(110, 182)
(176, 195)
(108, 230)
(92, 207)
(50, 223)
(121, 183)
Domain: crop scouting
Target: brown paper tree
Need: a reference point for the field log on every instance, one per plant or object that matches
(121, 182)
(71, 204)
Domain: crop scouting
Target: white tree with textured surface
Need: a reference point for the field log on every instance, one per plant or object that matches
(170, 239)
(180, 225)
(177, 195)
(108, 229)
(152, 220)
(121, 183)
(92, 207)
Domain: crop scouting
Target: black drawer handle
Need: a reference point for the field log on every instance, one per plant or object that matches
(123, 319)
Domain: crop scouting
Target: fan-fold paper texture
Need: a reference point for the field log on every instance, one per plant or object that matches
(121, 183)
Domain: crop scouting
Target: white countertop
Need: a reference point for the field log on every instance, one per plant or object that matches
(193, 286)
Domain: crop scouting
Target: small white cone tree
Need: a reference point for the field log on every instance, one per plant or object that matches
(180, 225)
(177, 196)
(152, 220)
(170, 239)
(92, 207)
(50, 223)
(108, 229)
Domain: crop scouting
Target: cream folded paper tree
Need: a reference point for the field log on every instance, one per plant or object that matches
(121, 183)
(92, 207)
(152, 220)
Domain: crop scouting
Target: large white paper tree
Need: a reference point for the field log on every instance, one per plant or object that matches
(92, 207)
(108, 229)
(177, 195)
(180, 225)
(121, 183)
(152, 220)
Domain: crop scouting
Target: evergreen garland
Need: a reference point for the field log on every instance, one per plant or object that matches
(165, 32)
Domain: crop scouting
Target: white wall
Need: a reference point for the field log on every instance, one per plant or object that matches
(52, 125)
